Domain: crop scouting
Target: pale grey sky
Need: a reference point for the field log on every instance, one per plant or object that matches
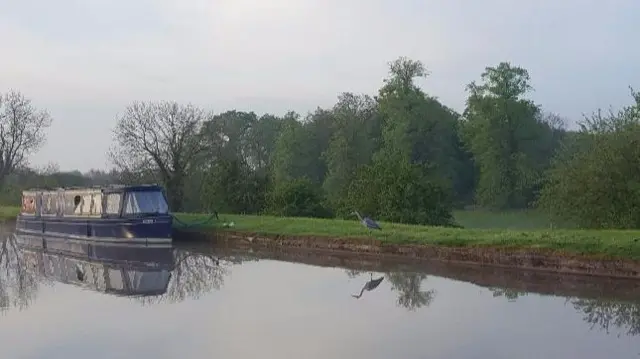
(85, 60)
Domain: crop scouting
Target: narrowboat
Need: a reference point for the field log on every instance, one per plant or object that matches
(115, 213)
(131, 270)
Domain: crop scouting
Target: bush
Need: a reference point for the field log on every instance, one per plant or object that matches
(400, 192)
(233, 187)
(595, 181)
(297, 198)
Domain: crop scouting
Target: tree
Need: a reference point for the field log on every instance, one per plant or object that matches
(594, 180)
(162, 138)
(262, 140)
(227, 135)
(403, 184)
(299, 147)
(231, 186)
(503, 131)
(355, 137)
(400, 192)
(22, 129)
(298, 197)
(408, 285)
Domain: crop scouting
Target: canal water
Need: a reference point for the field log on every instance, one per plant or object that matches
(73, 300)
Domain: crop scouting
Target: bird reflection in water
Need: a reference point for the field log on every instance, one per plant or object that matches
(79, 273)
(369, 286)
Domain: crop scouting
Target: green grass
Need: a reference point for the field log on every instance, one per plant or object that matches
(602, 243)
(8, 212)
(521, 230)
(516, 219)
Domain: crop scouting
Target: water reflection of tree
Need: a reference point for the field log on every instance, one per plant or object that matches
(510, 294)
(195, 274)
(606, 314)
(18, 276)
(408, 285)
(353, 273)
(410, 294)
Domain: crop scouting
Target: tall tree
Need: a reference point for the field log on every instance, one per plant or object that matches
(503, 129)
(401, 185)
(356, 132)
(219, 180)
(595, 180)
(262, 140)
(299, 147)
(227, 135)
(22, 129)
(162, 138)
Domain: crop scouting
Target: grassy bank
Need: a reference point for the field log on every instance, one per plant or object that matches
(607, 243)
(8, 213)
(521, 230)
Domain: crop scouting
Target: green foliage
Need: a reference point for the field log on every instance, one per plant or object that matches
(299, 148)
(400, 192)
(595, 180)
(232, 187)
(596, 244)
(504, 133)
(15, 183)
(355, 137)
(298, 197)
(406, 182)
(400, 156)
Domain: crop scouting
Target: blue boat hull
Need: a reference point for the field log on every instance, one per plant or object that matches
(134, 230)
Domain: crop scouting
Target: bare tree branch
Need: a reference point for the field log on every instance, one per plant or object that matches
(21, 131)
(161, 139)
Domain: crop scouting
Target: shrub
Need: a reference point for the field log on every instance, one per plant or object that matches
(297, 198)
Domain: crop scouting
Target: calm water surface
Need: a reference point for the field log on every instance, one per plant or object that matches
(81, 301)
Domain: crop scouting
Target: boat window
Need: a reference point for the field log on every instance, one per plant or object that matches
(77, 204)
(49, 204)
(115, 281)
(97, 204)
(28, 205)
(113, 203)
(147, 281)
(145, 202)
(86, 204)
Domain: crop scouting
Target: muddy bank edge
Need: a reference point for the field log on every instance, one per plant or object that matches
(530, 259)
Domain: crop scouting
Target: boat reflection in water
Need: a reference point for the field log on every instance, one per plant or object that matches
(118, 269)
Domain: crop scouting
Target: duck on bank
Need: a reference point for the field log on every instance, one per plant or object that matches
(114, 213)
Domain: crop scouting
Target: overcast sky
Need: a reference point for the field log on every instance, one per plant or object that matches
(85, 60)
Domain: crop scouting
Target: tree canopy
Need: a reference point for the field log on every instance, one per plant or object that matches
(397, 154)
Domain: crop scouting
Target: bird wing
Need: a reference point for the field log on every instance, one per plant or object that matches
(371, 223)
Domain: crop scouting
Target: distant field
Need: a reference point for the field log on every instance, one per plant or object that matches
(520, 219)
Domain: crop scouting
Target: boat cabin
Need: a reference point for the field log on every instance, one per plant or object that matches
(95, 202)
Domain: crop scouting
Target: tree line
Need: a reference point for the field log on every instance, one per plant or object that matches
(400, 155)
